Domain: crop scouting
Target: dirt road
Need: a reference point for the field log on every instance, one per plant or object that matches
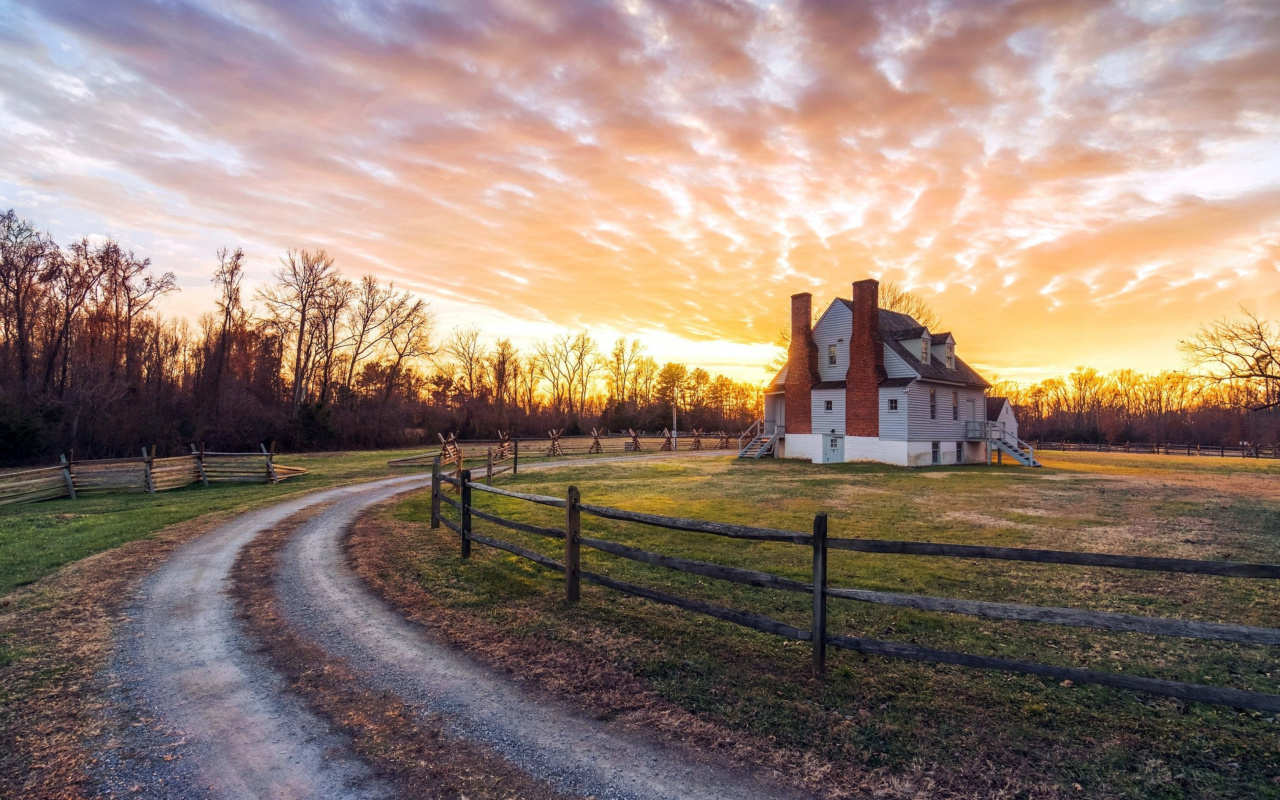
(214, 720)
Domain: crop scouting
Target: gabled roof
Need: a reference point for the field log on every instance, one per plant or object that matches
(895, 327)
(994, 406)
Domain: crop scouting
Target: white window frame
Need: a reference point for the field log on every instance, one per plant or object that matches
(951, 356)
(893, 404)
(832, 355)
(827, 405)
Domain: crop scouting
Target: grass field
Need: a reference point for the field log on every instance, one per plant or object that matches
(1014, 732)
(39, 538)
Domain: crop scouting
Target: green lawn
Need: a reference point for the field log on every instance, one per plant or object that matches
(39, 538)
(897, 715)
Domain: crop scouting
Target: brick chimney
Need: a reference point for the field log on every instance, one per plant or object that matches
(866, 363)
(802, 366)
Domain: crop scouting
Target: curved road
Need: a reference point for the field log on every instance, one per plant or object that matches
(239, 733)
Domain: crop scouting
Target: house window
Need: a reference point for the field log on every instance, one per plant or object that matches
(893, 404)
(937, 452)
(951, 356)
(826, 405)
(831, 355)
(924, 350)
(959, 452)
(955, 405)
(835, 443)
(933, 404)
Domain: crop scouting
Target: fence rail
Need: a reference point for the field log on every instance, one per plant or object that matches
(818, 634)
(144, 473)
(1165, 448)
(535, 447)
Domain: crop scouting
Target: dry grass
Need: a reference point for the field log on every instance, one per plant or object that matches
(878, 725)
(582, 665)
(58, 632)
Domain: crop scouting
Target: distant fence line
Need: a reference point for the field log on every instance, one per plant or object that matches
(475, 451)
(817, 588)
(145, 473)
(1166, 448)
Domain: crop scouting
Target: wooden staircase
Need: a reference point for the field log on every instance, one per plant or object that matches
(755, 443)
(1004, 442)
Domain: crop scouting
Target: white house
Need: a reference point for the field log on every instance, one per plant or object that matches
(867, 384)
(1000, 411)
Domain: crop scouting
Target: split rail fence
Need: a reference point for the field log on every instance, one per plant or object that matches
(527, 448)
(145, 473)
(820, 592)
(1166, 448)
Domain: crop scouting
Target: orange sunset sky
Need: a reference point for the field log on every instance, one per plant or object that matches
(1065, 182)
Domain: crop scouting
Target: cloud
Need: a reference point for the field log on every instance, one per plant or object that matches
(675, 167)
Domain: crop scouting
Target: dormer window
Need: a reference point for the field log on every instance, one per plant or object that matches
(924, 350)
(951, 356)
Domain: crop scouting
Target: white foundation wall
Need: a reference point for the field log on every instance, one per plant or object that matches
(869, 448)
(804, 445)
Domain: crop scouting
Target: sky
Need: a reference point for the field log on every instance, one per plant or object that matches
(1067, 182)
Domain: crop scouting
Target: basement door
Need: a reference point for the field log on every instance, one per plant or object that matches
(833, 450)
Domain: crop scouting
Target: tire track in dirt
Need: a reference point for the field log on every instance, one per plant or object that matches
(234, 728)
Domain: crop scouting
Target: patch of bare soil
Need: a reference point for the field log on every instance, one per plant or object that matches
(419, 757)
(382, 552)
(985, 521)
(61, 628)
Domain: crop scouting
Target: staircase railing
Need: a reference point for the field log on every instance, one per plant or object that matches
(750, 434)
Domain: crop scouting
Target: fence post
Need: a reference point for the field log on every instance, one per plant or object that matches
(572, 543)
(271, 467)
(146, 469)
(515, 456)
(435, 493)
(66, 475)
(464, 477)
(204, 478)
(819, 630)
(488, 468)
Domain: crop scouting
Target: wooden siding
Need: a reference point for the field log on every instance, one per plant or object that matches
(825, 421)
(944, 428)
(893, 424)
(835, 328)
(894, 366)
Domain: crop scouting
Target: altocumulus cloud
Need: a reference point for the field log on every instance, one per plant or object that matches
(1068, 180)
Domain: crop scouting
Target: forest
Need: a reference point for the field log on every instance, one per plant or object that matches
(314, 360)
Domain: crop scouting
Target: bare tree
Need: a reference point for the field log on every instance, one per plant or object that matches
(504, 372)
(366, 323)
(26, 259)
(471, 356)
(894, 297)
(301, 281)
(1243, 351)
(408, 337)
(227, 278)
(584, 363)
(555, 366)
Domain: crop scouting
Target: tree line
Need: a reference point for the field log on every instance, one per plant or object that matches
(311, 360)
(1230, 394)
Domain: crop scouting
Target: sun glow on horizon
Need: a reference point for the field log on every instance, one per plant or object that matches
(1065, 184)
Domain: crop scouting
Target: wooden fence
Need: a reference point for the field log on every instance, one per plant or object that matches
(1166, 448)
(536, 447)
(821, 544)
(145, 473)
